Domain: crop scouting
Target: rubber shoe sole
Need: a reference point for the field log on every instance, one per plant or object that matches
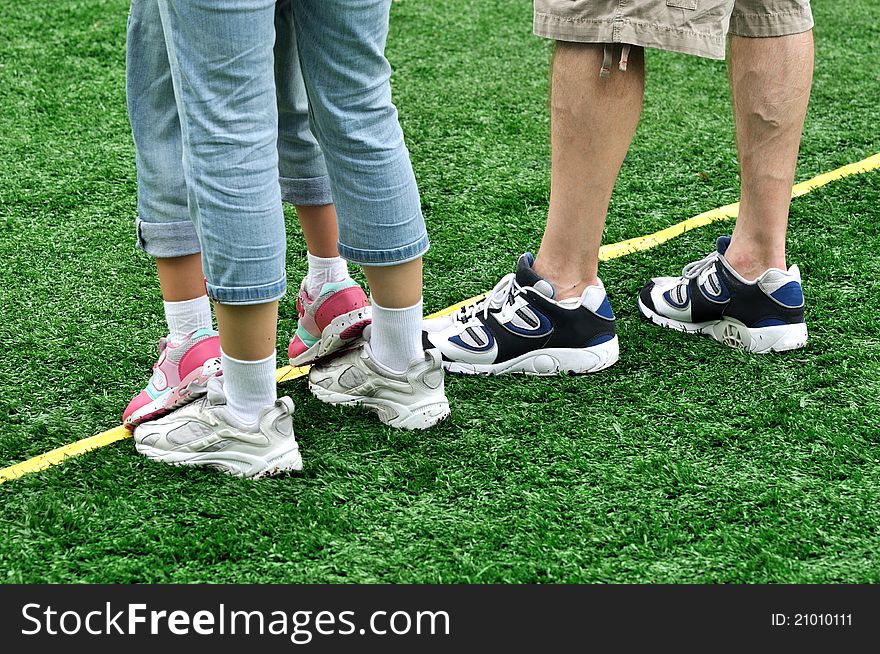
(342, 334)
(547, 362)
(402, 416)
(730, 332)
(237, 464)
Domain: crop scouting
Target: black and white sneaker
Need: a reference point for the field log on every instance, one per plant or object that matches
(520, 328)
(711, 298)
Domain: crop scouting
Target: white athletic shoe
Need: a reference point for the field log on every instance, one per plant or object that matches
(712, 299)
(205, 434)
(414, 399)
(520, 328)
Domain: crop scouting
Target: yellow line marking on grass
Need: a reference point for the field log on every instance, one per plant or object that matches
(286, 373)
(606, 252)
(58, 455)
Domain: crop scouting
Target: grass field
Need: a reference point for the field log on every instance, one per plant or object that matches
(686, 462)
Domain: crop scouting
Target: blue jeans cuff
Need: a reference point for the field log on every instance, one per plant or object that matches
(248, 294)
(384, 257)
(306, 191)
(164, 240)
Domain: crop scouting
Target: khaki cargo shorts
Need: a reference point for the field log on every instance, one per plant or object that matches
(694, 27)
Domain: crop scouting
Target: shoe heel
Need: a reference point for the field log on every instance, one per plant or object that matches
(423, 417)
(761, 340)
(289, 461)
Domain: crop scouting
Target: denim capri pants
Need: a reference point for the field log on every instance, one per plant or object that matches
(232, 115)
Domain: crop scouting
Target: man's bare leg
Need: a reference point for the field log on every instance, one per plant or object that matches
(593, 120)
(770, 81)
(592, 124)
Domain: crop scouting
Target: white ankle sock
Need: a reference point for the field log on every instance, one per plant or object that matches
(323, 270)
(249, 386)
(185, 317)
(396, 336)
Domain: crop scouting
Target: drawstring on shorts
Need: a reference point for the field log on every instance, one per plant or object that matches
(608, 54)
(624, 57)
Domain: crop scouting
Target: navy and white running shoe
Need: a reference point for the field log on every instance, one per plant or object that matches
(520, 328)
(711, 298)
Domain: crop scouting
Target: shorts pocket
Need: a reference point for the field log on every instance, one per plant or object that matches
(682, 4)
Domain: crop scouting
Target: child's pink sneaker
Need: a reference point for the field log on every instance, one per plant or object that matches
(330, 323)
(179, 376)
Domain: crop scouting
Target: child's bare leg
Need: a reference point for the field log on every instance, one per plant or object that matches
(396, 293)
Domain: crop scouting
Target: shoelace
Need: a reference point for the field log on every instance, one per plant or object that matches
(502, 294)
(694, 268)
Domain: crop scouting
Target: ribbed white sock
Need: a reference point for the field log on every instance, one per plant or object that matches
(323, 270)
(185, 317)
(249, 386)
(396, 336)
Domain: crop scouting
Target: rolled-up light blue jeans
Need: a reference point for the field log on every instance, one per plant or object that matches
(212, 157)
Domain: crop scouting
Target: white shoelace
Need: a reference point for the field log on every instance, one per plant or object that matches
(694, 268)
(499, 297)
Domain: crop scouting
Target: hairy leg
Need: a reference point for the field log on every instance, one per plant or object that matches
(592, 124)
(770, 81)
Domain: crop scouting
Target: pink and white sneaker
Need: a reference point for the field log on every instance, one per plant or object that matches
(179, 376)
(330, 323)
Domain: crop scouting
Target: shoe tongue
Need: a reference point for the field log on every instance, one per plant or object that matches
(722, 244)
(216, 394)
(526, 276)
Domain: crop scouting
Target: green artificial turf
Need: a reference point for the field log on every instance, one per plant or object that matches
(685, 462)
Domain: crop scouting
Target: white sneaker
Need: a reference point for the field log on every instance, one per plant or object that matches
(414, 399)
(519, 327)
(205, 434)
(711, 298)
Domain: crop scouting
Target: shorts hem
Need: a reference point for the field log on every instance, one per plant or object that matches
(306, 191)
(646, 35)
(167, 239)
(782, 23)
(239, 295)
(384, 257)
